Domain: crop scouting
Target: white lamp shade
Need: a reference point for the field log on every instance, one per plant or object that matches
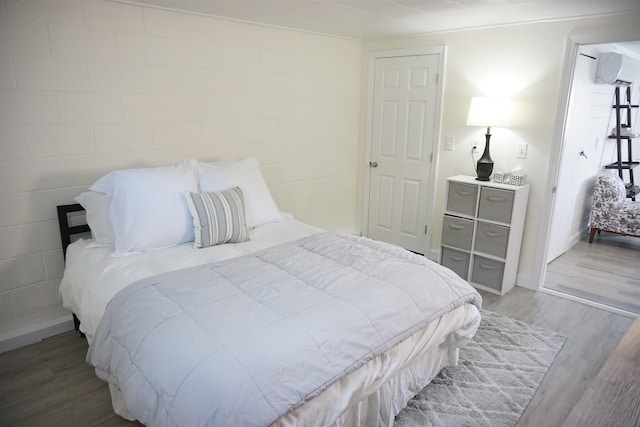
(489, 111)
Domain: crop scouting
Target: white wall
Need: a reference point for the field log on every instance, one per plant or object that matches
(522, 61)
(90, 86)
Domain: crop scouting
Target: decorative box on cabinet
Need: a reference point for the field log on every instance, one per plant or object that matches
(482, 231)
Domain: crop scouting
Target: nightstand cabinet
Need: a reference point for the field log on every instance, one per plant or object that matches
(482, 231)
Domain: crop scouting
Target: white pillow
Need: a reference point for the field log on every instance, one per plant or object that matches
(218, 217)
(96, 207)
(260, 206)
(147, 206)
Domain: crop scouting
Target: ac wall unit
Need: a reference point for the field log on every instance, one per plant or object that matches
(617, 69)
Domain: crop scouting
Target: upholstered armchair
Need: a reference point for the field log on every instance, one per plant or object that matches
(611, 210)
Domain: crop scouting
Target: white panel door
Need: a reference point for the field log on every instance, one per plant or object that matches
(404, 115)
(587, 121)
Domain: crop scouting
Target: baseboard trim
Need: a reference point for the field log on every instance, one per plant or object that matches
(526, 282)
(34, 333)
(589, 303)
(434, 255)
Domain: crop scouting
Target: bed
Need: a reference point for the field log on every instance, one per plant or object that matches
(274, 323)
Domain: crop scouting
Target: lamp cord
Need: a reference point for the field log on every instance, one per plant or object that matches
(473, 159)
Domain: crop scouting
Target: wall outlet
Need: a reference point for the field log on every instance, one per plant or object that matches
(522, 150)
(474, 147)
(449, 142)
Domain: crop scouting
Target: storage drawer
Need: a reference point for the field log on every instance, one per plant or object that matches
(487, 272)
(491, 239)
(496, 205)
(457, 261)
(462, 198)
(457, 232)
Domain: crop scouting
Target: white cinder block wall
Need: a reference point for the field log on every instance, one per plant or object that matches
(89, 86)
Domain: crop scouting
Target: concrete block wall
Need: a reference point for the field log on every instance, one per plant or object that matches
(88, 86)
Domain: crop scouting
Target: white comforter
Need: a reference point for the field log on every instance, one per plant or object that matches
(244, 341)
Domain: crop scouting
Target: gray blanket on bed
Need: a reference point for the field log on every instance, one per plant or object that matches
(243, 341)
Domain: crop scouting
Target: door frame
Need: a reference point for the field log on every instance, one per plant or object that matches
(574, 41)
(373, 56)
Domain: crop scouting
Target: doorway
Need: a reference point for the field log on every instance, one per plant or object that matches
(595, 274)
(403, 119)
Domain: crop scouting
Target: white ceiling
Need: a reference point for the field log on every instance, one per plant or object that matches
(370, 19)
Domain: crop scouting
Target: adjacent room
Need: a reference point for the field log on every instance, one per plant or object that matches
(344, 212)
(592, 145)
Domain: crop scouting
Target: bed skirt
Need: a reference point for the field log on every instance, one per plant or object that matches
(376, 392)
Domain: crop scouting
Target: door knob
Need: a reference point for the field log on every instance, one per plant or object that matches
(373, 164)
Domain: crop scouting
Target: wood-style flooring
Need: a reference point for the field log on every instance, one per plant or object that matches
(613, 398)
(49, 383)
(606, 271)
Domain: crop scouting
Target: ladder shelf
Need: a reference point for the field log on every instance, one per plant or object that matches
(627, 164)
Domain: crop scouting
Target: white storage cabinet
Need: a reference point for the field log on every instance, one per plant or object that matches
(482, 231)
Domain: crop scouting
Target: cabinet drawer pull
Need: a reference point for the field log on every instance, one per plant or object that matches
(488, 266)
(456, 258)
(463, 193)
(496, 199)
(492, 234)
(457, 226)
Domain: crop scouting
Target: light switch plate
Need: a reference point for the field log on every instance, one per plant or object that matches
(449, 142)
(522, 150)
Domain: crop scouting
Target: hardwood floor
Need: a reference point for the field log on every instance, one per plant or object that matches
(606, 271)
(592, 335)
(49, 384)
(613, 398)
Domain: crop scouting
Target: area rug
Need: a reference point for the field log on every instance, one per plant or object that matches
(498, 373)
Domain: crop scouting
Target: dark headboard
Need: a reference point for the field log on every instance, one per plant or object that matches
(66, 230)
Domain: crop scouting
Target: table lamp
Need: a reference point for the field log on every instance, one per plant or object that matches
(488, 111)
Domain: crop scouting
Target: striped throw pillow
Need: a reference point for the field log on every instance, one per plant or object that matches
(218, 217)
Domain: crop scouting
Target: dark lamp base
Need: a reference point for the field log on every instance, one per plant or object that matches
(485, 164)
